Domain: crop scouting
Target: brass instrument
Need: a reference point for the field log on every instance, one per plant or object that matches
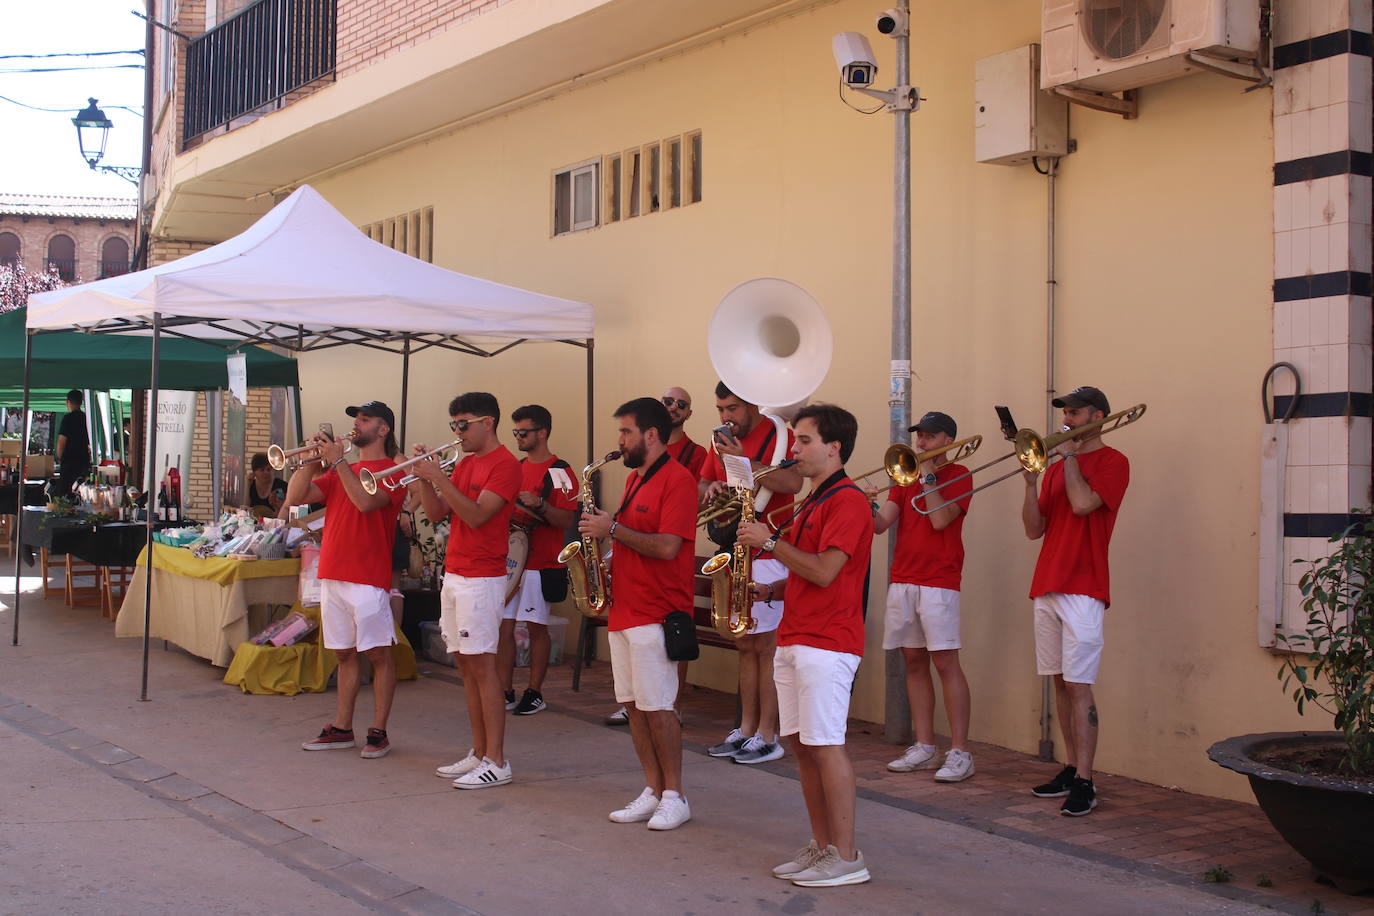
(587, 574)
(729, 572)
(724, 506)
(279, 457)
(1033, 451)
(370, 479)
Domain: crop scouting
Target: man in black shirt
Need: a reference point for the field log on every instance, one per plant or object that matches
(73, 446)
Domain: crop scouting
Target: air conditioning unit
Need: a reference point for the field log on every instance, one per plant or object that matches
(1115, 45)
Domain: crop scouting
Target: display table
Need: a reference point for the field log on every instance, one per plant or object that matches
(202, 605)
(9, 496)
(100, 543)
(304, 667)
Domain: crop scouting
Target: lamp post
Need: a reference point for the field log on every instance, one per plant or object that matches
(92, 132)
(858, 68)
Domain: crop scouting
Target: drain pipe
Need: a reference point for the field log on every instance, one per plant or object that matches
(1047, 683)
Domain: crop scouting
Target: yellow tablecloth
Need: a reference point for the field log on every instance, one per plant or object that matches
(302, 668)
(202, 605)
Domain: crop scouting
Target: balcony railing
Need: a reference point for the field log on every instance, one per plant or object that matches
(256, 57)
(66, 267)
(112, 268)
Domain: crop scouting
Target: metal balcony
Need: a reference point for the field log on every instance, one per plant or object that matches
(256, 58)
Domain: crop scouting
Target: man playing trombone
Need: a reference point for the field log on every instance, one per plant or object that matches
(1074, 513)
(745, 431)
(923, 598)
(355, 569)
(480, 496)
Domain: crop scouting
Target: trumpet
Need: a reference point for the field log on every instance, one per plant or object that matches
(724, 507)
(1033, 451)
(902, 464)
(279, 457)
(370, 480)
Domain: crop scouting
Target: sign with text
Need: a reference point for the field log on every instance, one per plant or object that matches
(176, 427)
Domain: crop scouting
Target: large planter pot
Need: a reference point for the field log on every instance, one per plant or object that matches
(1328, 820)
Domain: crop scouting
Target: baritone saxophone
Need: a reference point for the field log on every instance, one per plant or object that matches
(588, 577)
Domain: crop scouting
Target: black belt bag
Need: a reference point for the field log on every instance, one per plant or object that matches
(680, 637)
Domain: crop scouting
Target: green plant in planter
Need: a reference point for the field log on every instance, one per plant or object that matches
(1333, 662)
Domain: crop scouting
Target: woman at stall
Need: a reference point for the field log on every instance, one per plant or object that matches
(265, 490)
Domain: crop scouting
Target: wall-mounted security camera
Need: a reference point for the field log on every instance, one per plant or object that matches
(894, 23)
(855, 58)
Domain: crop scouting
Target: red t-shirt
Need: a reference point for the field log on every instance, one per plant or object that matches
(688, 454)
(1073, 555)
(357, 545)
(545, 540)
(477, 552)
(646, 589)
(752, 445)
(925, 556)
(832, 617)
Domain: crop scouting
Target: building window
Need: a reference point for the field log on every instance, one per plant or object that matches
(575, 193)
(653, 162)
(632, 182)
(693, 182)
(674, 173)
(166, 49)
(611, 188)
(114, 257)
(62, 257)
(410, 233)
(9, 248)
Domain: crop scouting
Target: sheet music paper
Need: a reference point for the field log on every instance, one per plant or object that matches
(561, 479)
(738, 471)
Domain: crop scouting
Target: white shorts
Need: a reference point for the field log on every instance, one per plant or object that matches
(641, 669)
(766, 617)
(470, 613)
(921, 617)
(1068, 636)
(355, 616)
(528, 602)
(813, 692)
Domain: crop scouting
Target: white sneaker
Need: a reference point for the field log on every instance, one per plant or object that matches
(672, 812)
(641, 809)
(804, 859)
(958, 767)
(917, 757)
(619, 717)
(487, 775)
(462, 767)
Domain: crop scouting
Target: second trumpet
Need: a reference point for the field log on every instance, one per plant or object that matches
(370, 480)
(279, 457)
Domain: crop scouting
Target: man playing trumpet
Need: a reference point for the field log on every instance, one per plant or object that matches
(480, 496)
(754, 436)
(923, 598)
(355, 569)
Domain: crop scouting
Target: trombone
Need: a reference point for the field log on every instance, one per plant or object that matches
(279, 457)
(1033, 451)
(902, 464)
(370, 480)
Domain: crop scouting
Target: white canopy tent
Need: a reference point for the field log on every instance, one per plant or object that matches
(304, 278)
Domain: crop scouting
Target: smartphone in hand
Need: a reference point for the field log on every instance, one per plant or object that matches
(723, 435)
(1008, 425)
(327, 430)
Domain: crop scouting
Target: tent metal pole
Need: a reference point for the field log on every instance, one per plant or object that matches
(405, 392)
(21, 487)
(150, 499)
(591, 389)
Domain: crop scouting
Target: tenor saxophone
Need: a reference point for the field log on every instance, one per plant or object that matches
(730, 573)
(587, 574)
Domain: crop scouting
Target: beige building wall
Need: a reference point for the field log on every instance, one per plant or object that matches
(1165, 266)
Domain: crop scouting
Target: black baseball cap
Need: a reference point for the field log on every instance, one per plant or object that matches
(936, 422)
(1085, 396)
(374, 409)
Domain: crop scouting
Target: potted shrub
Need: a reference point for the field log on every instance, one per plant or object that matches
(1317, 788)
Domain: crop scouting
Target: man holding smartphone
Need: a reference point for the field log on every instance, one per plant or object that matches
(747, 432)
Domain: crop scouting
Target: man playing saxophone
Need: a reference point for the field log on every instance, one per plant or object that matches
(652, 538)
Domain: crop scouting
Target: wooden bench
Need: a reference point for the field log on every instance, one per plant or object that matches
(701, 614)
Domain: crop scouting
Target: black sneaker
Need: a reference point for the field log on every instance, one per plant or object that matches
(531, 702)
(1057, 787)
(510, 700)
(1082, 798)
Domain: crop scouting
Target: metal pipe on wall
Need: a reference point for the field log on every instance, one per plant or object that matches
(1047, 683)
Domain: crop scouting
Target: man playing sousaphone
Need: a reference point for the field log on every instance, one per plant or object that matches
(747, 432)
(544, 507)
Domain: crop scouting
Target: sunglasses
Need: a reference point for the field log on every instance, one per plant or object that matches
(522, 433)
(681, 404)
(461, 426)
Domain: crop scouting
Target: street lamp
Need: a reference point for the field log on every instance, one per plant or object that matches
(92, 132)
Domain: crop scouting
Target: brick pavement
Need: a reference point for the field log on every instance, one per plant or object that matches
(1150, 829)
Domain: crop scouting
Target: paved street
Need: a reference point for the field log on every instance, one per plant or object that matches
(202, 798)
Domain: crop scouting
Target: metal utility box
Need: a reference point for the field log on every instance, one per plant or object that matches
(1013, 120)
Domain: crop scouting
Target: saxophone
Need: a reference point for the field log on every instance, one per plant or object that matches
(587, 573)
(729, 572)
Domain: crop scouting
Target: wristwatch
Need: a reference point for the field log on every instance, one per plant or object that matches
(769, 544)
(928, 480)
